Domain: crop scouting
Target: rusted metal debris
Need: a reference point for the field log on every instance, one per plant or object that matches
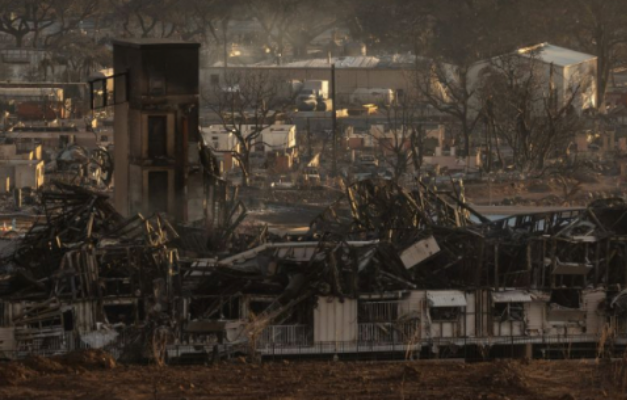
(84, 252)
(139, 278)
(380, 238)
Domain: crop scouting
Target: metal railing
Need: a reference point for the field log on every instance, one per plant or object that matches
(375, 340)
(58, 344)
(286, 335)
(389, 332)
(470, 349)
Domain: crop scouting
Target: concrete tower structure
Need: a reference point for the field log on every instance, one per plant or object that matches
(156, 130)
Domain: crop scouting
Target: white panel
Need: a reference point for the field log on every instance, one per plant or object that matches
(335, 321)
(508, 328)
(436, 330)
(419, 251)
(518, 327)
(470, 314)
(500, 329)
(595, 322)
(511, 296)
(535, 318)
(413, 303)
(448, 329)
(446, 298)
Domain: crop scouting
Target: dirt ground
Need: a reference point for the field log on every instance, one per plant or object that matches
(96, 377)
(548, 192)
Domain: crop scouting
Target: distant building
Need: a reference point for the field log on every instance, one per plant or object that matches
(20, 64)
(564, 69)
(20, 169)
(44, 100)
(50, 140)
(382, 137)
(357, 72)
(275, 139)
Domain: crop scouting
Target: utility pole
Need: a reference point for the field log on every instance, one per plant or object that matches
(334, 118)
(309, 146)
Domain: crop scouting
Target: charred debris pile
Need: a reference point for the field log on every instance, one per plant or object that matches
(85, 273)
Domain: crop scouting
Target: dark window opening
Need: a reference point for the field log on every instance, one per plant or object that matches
(157, 137)
(569, 298)
(68, 321)
(445, 313)
(141, 311)
(120, 313)
(156, 83)
(64, 141)
(508, 311)
(215, 79)
(158, 191)
(117, 287)
(258, 307)
(230, 309)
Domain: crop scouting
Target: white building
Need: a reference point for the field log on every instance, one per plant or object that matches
(20, 169)
(279, 138)
(219, 139)
(273, 138)
(570, 70)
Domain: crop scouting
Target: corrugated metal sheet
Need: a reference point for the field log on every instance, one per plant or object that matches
(511, 296)
(446, 298)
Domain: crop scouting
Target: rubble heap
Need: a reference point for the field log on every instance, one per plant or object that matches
(83, 252)
(133, 285)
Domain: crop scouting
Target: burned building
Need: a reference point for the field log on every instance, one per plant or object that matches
(383, 270)
(156, 129)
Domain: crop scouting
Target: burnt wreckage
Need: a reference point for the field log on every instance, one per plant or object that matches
(382, 269)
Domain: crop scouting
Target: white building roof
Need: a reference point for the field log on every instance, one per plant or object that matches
(557, 55)
(388, 61)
